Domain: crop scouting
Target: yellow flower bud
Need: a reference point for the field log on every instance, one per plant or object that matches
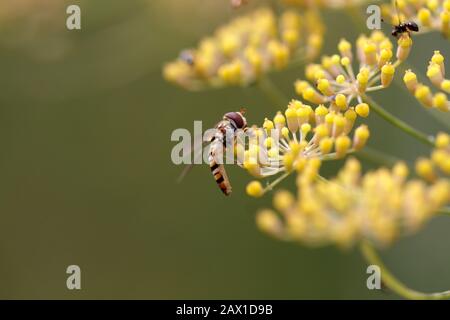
(254, 189)
(268, 125)
(279, 53)
(370, 53)
(440, 101)
(424, 169)
(404, 47)
(342, 145)
(360, 137)
(410, 80)
(305, 129)
(291, 37)
(291, 117)
(400, 170)
(313, 96)
(437, 58)
(321, 131)
(326, 144)
(387, 74)
(231, 73)
(363, 78)
(424, 16)
(288, 161)
(435, 75)
(229, 44)
(350, 115)
(432, 4)
(423, 94)
(321, 111)
(283, 200)
(324, 86)
(341, 101)
(442, 140)
(279, 120)
(295, 104)
(345, 61)
(340, 79)
(301, 86)
(445, 85)
(285, 132)
(362, 110)
(345, 48)
(268, 221)
(385, 56)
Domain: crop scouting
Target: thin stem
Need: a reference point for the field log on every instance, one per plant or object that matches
(276, 181)
(372, 257)
(376, 157)
(389, 117)
(272, 92)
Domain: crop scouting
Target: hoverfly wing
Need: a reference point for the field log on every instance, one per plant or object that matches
(198, 153)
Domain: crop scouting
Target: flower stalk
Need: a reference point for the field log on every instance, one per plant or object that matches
(272, 92)
(372, 257)
(389, 117)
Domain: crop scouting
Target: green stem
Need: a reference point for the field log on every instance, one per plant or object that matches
(272, 92)
(372, 257)
(389, 117)
(376, 157)
(276, 181)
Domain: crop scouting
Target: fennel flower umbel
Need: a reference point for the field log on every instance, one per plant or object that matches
(248, 47)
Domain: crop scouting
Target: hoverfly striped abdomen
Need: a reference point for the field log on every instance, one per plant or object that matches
(220, 176)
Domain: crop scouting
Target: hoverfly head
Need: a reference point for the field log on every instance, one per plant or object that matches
(237, 119)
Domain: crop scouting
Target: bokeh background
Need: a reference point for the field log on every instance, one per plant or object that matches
(86, 176)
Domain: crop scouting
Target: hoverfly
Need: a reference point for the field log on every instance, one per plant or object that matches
(230, 123)
(403, 27)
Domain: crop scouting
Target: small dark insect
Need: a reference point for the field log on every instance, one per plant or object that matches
(188, 57)
(403, 27)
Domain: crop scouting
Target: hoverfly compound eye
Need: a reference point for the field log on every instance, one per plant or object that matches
(237, 119)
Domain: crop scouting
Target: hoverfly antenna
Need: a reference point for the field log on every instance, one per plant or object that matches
(243, 111)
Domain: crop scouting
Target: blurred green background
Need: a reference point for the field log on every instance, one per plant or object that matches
(86, 176)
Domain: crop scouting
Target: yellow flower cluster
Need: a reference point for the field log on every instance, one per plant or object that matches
(246, 48)
(337, 83)
(438, 165)
(289, 140)
(378, 206)
(431, 15)
(436, 74)
(332, 4)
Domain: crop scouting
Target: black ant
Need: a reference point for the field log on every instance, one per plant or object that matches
(403, 27)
